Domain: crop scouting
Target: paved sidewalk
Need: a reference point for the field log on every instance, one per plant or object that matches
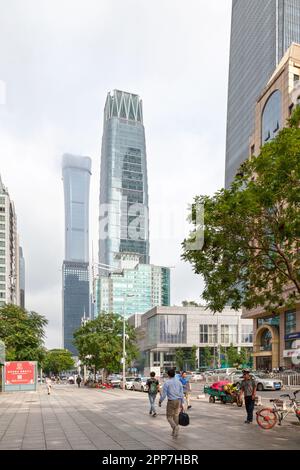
(72, 418)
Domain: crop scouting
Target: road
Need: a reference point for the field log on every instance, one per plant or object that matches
(72, 418)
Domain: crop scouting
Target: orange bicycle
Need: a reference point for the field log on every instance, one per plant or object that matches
(267, 417)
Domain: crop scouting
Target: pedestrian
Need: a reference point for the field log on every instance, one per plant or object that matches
(173, 390)
(48, 385)
(186, 388)
(248, 388)
(78, 380)
(153, 389)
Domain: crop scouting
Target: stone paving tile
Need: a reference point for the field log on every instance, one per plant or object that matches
(93, 419)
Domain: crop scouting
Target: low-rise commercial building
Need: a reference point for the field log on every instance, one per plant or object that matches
(163, 330)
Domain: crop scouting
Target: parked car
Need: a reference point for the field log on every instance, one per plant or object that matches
(128, 382)
(140, 384)
(115, 381)
(263, 381)
(225, 371)
(71, 379)
(195, 377)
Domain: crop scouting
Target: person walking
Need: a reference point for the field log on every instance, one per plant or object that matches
(186, 388)
(248, 388)
(48, 385)
(153, 389)
(173, 390)
(78, 380)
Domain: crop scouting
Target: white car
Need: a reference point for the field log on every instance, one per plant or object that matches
(140, 384)
(128, 383)
(263, 381)
(196, 377)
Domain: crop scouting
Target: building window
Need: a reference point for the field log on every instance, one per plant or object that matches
(247, 334)
(229, 334)
(208, 334)
(170, 329)
(296, 78)
(290, 322)
(266, 341)
(271, 117)
(273, 321)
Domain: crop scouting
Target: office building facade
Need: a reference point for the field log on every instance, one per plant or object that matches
(75, 272)
(9, 251)
(133, 288)
(277, 336)
(22, 277)
(261, 32)
(163, 330)
(123, 220)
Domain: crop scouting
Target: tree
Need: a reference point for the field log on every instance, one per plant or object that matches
(252, 231)
(179, 358)
(232, 355)
(23, 334)
(192, 357)
(100, 343)
(207, 356)
(190, 303)
(57, 361)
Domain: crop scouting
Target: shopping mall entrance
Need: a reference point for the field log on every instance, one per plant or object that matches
(264, 363)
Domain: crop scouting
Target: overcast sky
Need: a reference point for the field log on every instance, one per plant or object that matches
(58, 60)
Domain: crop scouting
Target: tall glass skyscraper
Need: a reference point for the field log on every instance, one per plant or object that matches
(123, 218)
(261, 32)
(134, 288)
(76, 292)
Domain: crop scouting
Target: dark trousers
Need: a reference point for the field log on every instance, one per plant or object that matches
(249, 402)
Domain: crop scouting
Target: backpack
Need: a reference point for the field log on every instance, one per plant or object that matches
(184, 419)
(153, 387)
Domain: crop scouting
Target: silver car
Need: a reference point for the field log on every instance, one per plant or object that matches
(140, 384)
(263, 381)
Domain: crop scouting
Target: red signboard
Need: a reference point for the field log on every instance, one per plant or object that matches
(19, 373)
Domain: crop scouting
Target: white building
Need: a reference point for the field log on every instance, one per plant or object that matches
(162, 330)
(9, 251)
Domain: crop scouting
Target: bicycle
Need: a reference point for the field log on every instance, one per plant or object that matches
(267, 417)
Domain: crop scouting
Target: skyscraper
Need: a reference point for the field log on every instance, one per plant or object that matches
(76, 293)
(123, 220)
(261, 32)
(134, 288)
(9, 251)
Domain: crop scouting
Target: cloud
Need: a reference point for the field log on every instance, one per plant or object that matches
(58, 60)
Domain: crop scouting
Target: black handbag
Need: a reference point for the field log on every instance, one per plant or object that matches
(184, 419)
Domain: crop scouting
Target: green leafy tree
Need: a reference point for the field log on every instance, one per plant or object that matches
(57, 361)
(207, 356)
(252, 231)
(192, 357)
(232, 355)
(190, 303)
(23, 334)
(100, 343)
(245, 359)
(179, 358)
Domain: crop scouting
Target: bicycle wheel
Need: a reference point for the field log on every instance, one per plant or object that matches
(266, 418)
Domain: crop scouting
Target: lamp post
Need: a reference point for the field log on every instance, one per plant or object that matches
(124, 339)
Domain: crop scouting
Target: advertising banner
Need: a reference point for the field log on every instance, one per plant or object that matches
(20, 375)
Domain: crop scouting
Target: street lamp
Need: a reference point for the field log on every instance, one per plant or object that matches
(124, 338)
